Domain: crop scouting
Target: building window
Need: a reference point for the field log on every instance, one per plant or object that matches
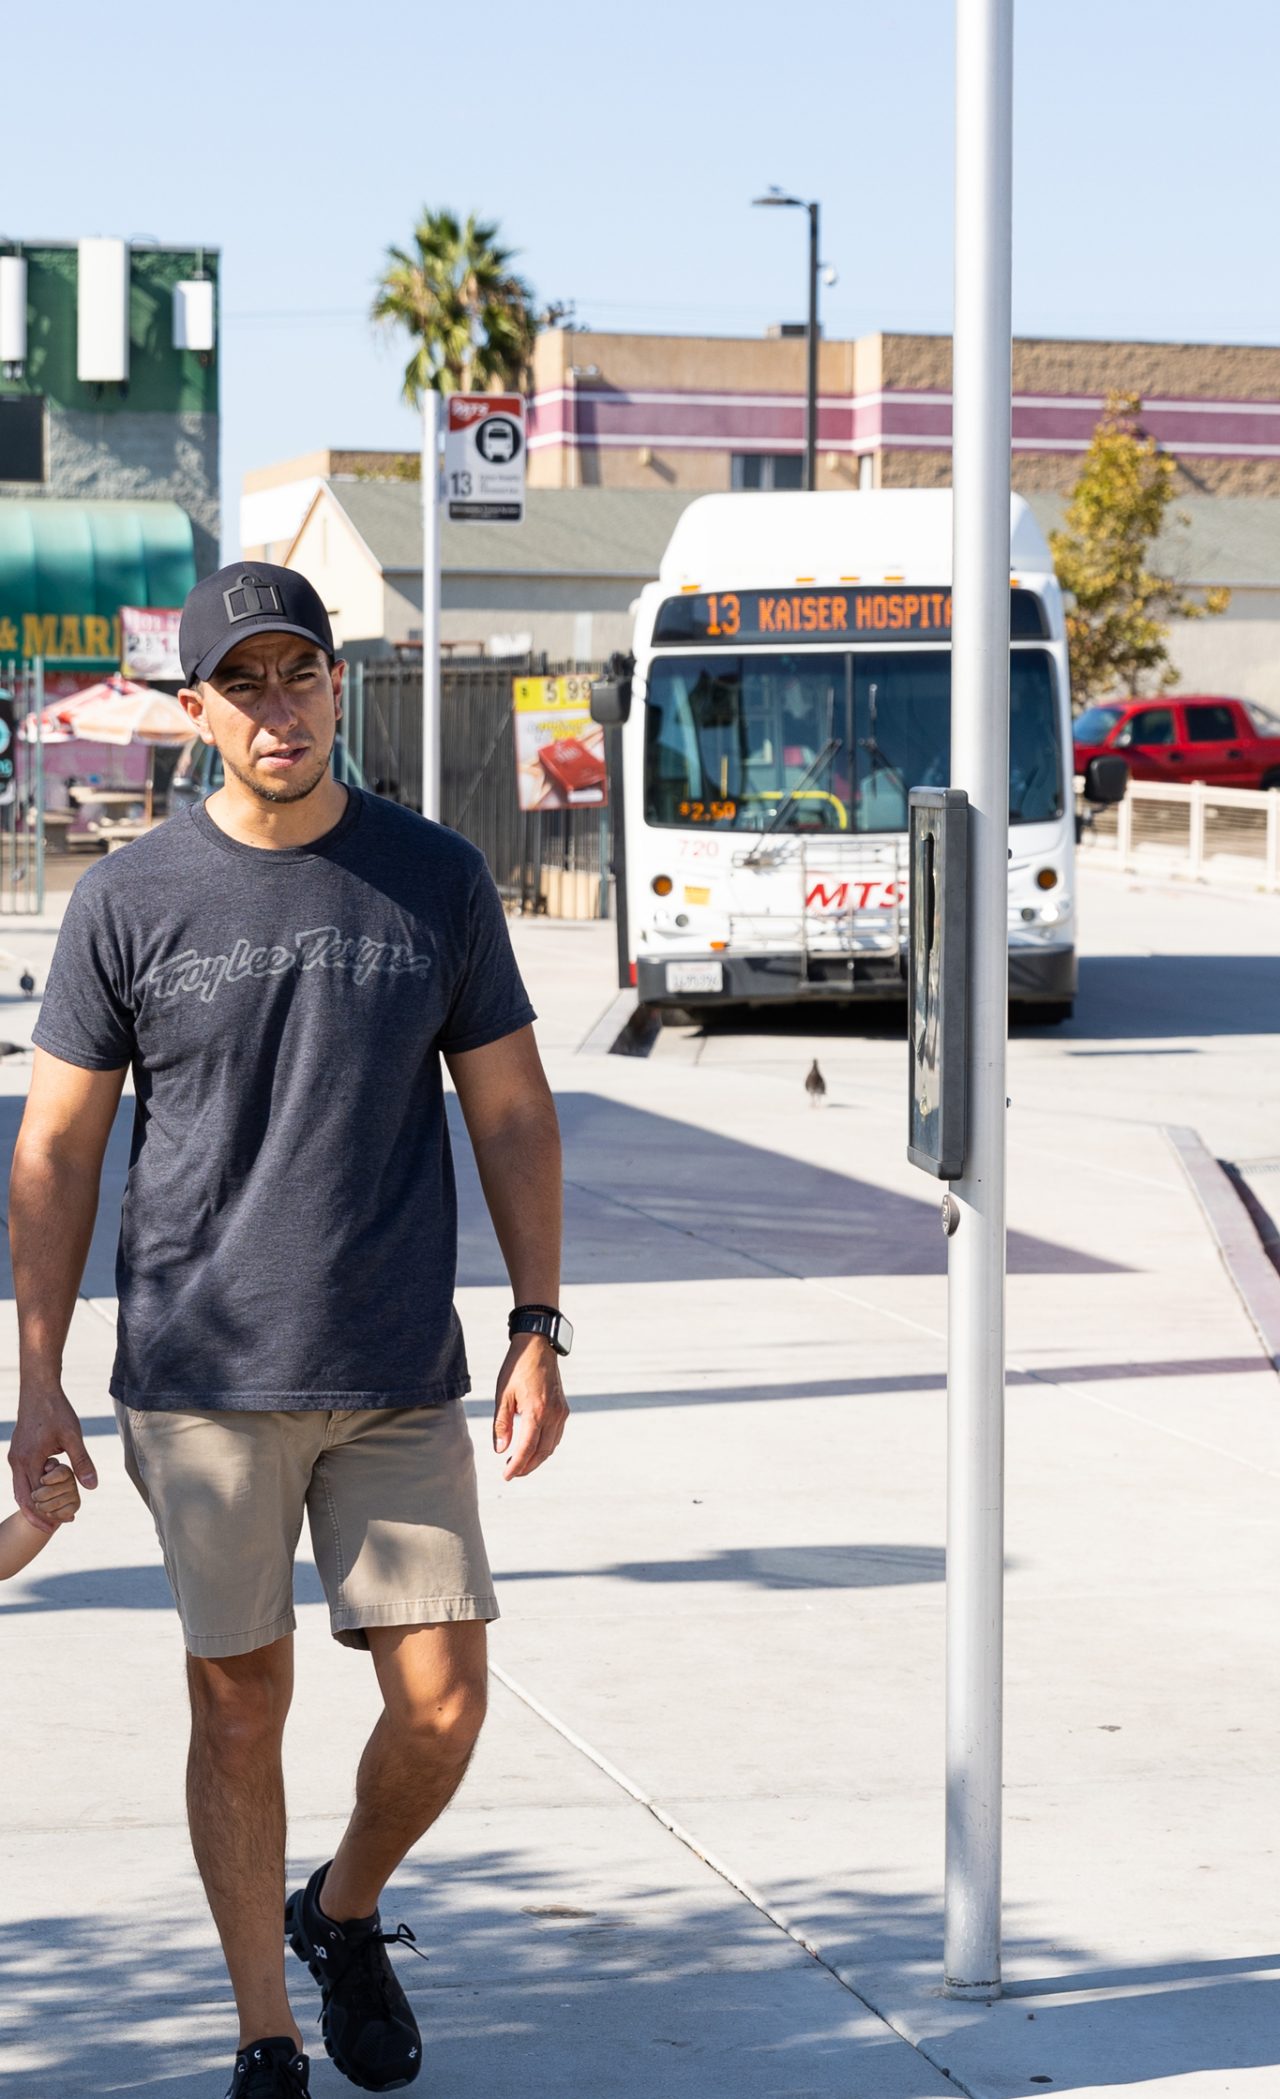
(768, 470)
(22, 437)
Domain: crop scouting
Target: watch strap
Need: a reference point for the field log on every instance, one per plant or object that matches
(547, 1320)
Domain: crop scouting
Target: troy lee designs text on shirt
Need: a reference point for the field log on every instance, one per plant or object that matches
(323, 947)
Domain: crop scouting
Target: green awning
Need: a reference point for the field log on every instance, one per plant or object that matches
(67, 568)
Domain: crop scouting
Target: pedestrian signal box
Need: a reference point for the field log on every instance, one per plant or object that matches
(937, 979)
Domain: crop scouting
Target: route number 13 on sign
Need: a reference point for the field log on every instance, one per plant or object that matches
(484, 451)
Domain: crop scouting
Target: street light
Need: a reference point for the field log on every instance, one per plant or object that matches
(780, 197)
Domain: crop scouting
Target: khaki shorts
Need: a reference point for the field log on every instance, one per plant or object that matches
(389, 1493)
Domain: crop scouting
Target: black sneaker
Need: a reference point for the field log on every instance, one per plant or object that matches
(368, 2027)
(270, 2070)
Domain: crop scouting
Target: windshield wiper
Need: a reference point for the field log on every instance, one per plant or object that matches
(830, 749)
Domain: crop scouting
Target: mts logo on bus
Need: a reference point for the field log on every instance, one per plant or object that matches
(881, 893)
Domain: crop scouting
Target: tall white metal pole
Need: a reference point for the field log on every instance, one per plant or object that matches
(431, 422)
(980, 764)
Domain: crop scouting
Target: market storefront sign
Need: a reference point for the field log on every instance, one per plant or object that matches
(61, 637)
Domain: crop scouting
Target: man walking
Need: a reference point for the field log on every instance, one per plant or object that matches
(283, 968)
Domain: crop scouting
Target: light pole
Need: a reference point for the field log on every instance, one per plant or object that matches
(980, 765)
(775, 196)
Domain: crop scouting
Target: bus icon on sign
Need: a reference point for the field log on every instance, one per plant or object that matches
(498, 440)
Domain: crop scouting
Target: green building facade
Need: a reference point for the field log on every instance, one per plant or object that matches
(109, 490)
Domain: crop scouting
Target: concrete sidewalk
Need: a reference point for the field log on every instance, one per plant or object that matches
(724, 1599)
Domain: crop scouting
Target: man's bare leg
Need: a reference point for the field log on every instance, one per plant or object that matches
(434, 1680)
(235, 1806)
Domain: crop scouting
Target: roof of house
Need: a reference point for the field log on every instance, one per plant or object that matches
(567, 531)
(624, 532)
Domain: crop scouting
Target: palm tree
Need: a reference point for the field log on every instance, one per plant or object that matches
(470, 316)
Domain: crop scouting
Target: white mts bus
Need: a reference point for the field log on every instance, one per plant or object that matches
(791, 684)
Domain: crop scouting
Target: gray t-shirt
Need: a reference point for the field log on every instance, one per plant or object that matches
(289, 1230)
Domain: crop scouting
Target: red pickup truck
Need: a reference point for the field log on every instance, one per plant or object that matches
(1226, 743)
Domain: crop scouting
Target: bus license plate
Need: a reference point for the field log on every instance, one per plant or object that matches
(695, 976)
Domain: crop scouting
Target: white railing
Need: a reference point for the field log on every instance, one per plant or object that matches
(1202, 834)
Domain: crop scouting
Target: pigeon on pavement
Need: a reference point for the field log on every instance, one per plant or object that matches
(815, 1085)
(27, 982)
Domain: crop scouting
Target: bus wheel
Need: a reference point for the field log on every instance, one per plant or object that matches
(1043, 1013)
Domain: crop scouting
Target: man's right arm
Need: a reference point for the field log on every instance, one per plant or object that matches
(53, 1201)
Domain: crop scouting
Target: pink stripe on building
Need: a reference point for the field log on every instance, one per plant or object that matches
(602, 416)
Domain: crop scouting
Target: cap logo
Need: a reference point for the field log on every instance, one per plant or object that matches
(250, 596)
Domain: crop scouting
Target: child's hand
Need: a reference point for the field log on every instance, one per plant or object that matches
(57, 1497)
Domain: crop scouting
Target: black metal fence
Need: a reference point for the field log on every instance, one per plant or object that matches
(22, 798)
(529, 853)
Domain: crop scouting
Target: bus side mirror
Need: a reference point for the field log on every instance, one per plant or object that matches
(1106, 780)
(610, 701)
(611, 695)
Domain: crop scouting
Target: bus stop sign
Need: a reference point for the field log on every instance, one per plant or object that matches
(937, 979)
(484, 455)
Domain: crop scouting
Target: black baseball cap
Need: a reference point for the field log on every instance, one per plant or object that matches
(248, 597)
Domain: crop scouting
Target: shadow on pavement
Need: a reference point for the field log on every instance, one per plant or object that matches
(650, 1199)
(1145, 997)
(1120, 996)
(144, 1588)
(535, 1987)
(90, 1425)
(788, 1387)
(769, 1567)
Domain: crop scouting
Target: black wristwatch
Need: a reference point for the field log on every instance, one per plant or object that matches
(544, 1320)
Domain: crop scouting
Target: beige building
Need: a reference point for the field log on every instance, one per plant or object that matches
(663, 412)
(651, 411)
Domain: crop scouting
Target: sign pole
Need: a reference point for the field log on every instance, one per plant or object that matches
(980, 766)
(431, 420)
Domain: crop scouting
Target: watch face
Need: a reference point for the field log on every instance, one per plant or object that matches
(564, 1336)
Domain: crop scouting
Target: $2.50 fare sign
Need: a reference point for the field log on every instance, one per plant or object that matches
(484, 459)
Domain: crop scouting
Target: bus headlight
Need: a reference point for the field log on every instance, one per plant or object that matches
(1042, 918)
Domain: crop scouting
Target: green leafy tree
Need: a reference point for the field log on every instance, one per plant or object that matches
(1119, 608)
(471, 318)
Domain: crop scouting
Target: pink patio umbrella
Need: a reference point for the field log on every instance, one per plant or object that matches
(118, 712)
(55, 722)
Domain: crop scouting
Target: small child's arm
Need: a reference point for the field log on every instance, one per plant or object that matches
(58, 1498)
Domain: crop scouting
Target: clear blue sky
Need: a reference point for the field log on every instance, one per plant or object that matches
(619, 147)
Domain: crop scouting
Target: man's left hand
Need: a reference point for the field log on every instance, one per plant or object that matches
(531, 1409)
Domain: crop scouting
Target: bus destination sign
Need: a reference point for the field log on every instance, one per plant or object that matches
(728, 618)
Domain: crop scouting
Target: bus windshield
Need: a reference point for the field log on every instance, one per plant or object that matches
(828, 741)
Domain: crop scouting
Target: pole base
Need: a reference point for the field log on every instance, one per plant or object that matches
(980, 1991)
